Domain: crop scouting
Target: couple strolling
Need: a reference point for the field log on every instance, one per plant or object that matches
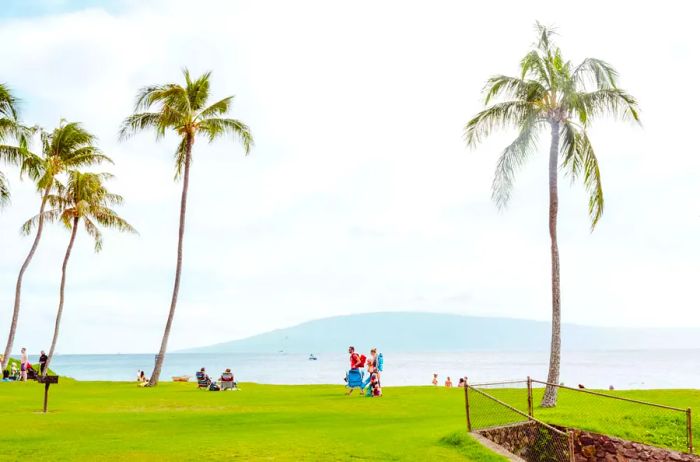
(355, 377)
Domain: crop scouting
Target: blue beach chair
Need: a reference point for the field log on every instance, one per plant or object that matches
(354, 378)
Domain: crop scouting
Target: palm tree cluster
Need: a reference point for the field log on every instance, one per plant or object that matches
(71, 194)
(550, 93)
(75, 198)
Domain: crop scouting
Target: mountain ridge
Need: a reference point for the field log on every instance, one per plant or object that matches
(442, 332)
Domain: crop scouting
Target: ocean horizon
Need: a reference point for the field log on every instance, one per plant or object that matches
(623, 369)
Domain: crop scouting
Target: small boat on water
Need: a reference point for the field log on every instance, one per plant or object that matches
(312, 357)
(181, 378)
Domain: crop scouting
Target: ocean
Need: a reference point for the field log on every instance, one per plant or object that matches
(637, 369)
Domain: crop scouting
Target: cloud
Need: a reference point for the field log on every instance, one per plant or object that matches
(360, 194)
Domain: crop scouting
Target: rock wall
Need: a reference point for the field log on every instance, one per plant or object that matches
(530, 441)
(514, 438)
(593, 447)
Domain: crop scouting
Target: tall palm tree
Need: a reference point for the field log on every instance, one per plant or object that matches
(551, 93)
(183, 110)
(84, 199)
(69, 146)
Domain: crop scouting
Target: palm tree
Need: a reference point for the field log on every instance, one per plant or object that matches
(551, 92)
(85, 199)
(9, 129)
(183, 110)
(69, 146)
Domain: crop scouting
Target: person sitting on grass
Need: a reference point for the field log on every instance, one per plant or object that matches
(227, 381)
(141, 379)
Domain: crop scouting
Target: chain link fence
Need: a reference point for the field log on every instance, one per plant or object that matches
(516, 404)
(515, 429)
(617, 413)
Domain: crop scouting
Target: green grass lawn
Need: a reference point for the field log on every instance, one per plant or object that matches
(175, 421)
(659, 427)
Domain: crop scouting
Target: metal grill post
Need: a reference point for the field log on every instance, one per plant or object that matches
(466, 404)
(529, 397)
(689, 425)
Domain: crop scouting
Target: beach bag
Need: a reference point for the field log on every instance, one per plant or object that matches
(380, 362)
(363, 360)
(214, 387)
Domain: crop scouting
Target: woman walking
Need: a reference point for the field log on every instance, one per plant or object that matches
(24, 365)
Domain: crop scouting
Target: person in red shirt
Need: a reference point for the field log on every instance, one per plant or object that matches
(355, 362)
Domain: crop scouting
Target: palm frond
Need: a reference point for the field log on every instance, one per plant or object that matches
(180, 156)
(219, 108)
(142, 121)
(8, 103)
(215, 127)
(94, 232)
(614, 101)
(513, 88)
(501, 115)
(532, 66)
(597, 72)
(11, 154)
(580, 159)
(4, 190)
(198, 90)
(50, 216)
(512, 158)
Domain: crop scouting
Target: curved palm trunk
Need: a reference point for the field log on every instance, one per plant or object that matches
(550, 395)
(178, 269)
(18, 287)
(61, 297)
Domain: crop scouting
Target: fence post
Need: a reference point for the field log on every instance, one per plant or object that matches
(529, 397)
(689, 425)
(466, 404)
(572, 456)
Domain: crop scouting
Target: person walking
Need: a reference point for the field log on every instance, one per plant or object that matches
(24, 365)
(354, 376)
(42, 362)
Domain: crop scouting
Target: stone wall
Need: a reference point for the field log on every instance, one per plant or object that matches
(593, 447)
(530, 441)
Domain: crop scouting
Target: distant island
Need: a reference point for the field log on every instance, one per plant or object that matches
(434, 332)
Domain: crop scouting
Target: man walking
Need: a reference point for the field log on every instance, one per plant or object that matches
(42, 362)
(354, 376)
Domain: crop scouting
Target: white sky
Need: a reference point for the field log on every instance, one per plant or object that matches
(359, 195)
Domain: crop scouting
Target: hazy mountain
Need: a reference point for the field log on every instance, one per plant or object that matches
(428, 332)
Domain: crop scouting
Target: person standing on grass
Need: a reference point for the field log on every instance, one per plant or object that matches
(42, 361)
(24, 365)
(448, 383)
(435, 379)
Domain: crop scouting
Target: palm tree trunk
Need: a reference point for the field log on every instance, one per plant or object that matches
(550, 395)
(178, 269)
(61, 297)
(18, 287)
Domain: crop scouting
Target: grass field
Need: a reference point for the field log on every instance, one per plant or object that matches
(174, 421)
(119, 421)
